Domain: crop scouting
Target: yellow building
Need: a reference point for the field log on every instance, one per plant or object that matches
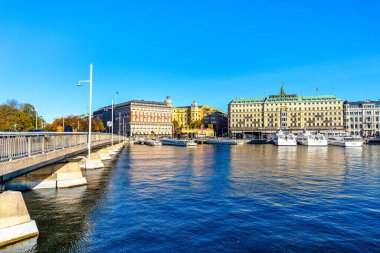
(198, 120)
(192, 116)
(285, 111)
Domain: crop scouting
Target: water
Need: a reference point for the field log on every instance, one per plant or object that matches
(218, 199)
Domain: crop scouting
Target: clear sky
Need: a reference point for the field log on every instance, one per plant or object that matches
(211, 50)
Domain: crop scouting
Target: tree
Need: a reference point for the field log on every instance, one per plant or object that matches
(28, 109)
(175, 124)
(196, 124)
(13, 119)
(98, 125)
(78, 124)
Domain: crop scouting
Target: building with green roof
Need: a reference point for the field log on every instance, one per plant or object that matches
(254, 116)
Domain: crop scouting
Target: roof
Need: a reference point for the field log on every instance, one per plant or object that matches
(135, 101)
(284, 98)
(248, 100)
(360, 103)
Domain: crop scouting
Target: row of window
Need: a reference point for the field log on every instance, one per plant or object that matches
(287, 104)
(361, 119)
(313, 124)
(360, 126)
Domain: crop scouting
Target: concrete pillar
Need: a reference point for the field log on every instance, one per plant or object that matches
(92, 163)
(43, 178)
(70, 175)
(111, 151)
(15, 222)
(104, 155)
(54, 176)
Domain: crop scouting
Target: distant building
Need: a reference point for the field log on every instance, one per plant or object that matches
(362, 118)
(138, 118)
(255, 116)
(218, 121)
(201, 119)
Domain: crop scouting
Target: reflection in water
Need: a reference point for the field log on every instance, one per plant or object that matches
(28, 245)
(218, 198)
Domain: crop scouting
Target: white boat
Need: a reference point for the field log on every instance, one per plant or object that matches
(284, 139)
(309, 139)
(152, 143)
(345, 141)
(221, 142)
(182, 143)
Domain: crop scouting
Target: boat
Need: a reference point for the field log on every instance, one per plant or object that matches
(221, 141)
(345, 141)
(152, 142)
(373, 141)
(260, 141)
(284, 139)
(182, 143)
(309, 139)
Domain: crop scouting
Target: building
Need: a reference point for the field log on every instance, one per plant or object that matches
(218, 121)
(255, 116)
(362, 118)
(138, 118)
(200, 119)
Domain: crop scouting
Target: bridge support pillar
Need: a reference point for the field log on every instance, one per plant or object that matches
(103, 154)
(55, 176)
(94, 162)
(15, 222)
(70, 175)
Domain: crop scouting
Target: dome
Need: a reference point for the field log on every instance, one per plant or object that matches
(168, 101)
(194, 104)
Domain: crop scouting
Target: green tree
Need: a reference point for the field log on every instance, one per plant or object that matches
(175, 124)
(13, 119)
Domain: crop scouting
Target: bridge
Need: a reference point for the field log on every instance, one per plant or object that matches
(25, 155)
(24, 152)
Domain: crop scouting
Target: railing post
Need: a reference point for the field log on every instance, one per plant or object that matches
(43, 145)
(29, 145)
(9, 148)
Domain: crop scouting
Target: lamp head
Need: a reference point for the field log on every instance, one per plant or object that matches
(79, 84)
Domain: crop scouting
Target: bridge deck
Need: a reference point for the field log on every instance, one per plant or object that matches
(24, 152)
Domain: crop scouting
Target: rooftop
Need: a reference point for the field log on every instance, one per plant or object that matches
(135, 101)
(283, 97)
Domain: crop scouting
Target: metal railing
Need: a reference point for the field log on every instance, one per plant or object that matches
(15, 145)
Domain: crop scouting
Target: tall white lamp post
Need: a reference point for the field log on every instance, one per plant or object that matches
(90, 111)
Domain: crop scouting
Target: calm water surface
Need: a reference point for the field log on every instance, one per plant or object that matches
(218, 199)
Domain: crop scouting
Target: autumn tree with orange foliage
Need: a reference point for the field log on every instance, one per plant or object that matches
(78, 124)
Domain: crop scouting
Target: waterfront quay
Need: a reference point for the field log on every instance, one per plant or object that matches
(216, 198)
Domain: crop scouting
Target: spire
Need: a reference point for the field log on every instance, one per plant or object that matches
(194, 104)
(282, 93)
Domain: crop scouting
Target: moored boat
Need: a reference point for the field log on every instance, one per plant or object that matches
(260, 141)
(345, 141)
(221, 142)
(284, 139)
(182, 143)
(152, 142)
(309, 139)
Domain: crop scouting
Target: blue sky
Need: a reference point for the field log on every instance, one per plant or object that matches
(211, 50)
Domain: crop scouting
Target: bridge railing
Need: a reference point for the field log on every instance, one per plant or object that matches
(15, 145)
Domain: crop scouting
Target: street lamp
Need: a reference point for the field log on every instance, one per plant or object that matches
(90, 111)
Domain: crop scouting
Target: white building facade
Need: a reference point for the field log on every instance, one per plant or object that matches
(362, 118)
